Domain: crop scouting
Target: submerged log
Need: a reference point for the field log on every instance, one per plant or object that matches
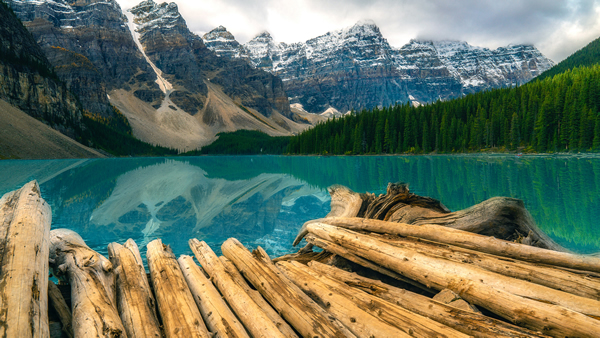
(501, 217)
(58, 303)
(467, 322)
(176, 305)
(283, 326)
(467, 240)
(135, 302)
(217, 315)
(24, 247)
(308, 318)
(252, 316)
(92, 281)
(365, 314)
(529, 304)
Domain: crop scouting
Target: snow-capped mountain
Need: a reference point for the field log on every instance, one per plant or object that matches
(356, 67)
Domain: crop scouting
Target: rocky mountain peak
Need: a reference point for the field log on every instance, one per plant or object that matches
(222, 42)
(150, 15)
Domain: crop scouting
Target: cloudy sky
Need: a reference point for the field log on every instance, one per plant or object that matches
(557, 27)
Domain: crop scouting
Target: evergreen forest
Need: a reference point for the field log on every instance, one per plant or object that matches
(556, 114)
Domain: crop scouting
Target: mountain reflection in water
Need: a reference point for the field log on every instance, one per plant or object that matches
(264, 200)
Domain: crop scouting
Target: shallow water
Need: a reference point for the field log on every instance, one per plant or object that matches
(264, 200)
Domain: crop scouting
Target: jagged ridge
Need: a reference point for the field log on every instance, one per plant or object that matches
(356, 67)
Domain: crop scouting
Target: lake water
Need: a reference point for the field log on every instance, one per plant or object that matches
(264, 200)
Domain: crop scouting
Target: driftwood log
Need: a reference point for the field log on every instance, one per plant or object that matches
(252, 316)
(24, 246)
(283, 326)
(176, 305)
(135, 302)
(58, 303)
(465, 240)
(92, 281)
(501, 217)
(468, 322)
(365, 314)
(217, 315)
(574, 283)
(539, 308)
(308, 318)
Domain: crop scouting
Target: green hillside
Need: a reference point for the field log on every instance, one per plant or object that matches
(585, 57)
(559, 113)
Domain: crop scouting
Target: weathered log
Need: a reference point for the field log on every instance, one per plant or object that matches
(364, 314)
(283, 326)
(217, 315)
(176, 305)
(467, 322)
(308, 318)
(351, 256)
(92, 281)
(135, 302)
(467, 240)
(250, 314)
(501, 217)
(58, 303)
(482, 288)
(24, 246)
(558, 279)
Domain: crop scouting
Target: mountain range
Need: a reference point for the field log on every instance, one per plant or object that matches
(173, 90)
(356, 67)
(143, 72)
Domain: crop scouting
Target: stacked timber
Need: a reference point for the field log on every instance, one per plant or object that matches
(382, 273)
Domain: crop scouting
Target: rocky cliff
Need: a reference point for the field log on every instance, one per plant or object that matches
(27, 80)
(356, 68)
(90, 47)
(174, 91)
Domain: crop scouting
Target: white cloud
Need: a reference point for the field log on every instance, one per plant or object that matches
(556, 27)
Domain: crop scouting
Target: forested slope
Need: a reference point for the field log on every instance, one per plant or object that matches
(585, 57)
(554, 114)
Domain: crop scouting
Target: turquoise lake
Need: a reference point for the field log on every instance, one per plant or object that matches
(264, 200)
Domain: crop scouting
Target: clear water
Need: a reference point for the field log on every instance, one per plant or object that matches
(265, 200)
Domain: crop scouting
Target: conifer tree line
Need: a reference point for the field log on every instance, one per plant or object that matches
(560, 113)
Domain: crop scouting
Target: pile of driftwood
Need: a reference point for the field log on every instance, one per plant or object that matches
(393, 265)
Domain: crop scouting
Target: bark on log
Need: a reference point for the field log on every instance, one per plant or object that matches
(365, 314)
(251, 315)
(58, 303)
(558, 279)
(297, 308)
(178, 310)
(467, 322)
(135, 302)
(477, 286)
(92, 281)
(467, 240)
(501, 217)
(349, 255)
(221, 322)
(24, 247)
(283, 326)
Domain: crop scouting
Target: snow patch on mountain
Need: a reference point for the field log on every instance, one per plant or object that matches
(165, 86)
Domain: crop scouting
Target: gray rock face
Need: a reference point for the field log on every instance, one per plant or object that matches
(92, 49)
(89, 45)
(183, 55)
(356, 67)
(26, 80)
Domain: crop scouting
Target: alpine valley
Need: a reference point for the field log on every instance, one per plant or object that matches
(163, 84)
